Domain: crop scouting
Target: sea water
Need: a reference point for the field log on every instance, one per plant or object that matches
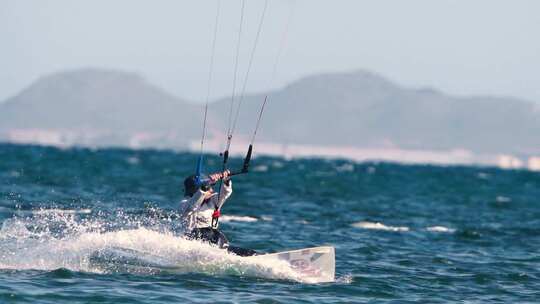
(402, 233)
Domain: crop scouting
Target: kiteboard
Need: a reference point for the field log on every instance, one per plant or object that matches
(315, 264)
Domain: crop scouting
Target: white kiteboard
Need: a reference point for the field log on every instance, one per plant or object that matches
(314, 265)
(317, 264)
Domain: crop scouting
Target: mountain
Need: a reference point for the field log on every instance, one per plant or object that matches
(101, 107)
(356, 109)
(363, 109)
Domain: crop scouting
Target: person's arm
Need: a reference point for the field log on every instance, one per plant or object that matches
(226, 191)
(226, 187)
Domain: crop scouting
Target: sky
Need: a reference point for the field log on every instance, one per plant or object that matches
(476, 47)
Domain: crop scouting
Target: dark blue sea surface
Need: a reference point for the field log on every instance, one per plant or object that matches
(402, 233)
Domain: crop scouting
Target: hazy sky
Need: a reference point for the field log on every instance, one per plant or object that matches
(461, 47)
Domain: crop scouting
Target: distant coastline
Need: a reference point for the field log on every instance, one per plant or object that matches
(358, 115)
(146, 140)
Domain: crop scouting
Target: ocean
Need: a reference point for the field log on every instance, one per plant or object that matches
(402, 233)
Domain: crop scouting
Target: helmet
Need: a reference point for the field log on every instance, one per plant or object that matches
(192, 184)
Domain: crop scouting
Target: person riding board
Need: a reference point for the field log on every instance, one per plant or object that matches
(200, 210)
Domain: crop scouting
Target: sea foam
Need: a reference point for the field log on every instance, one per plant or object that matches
(236, 218)
(440, 229)
(73, 248)
(380, 226)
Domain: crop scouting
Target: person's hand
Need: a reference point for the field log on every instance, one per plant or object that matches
(226, 177)
(214, 177)
(226, 174)
(217, 176)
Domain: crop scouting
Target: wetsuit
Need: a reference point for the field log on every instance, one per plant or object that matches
(196, 214)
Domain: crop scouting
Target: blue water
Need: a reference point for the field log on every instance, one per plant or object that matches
(402, 233)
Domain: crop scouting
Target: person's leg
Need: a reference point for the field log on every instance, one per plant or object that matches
(220, 239)
(209, 235)
(223, 242)
(217, 237)
(241, 251)
(201, 234)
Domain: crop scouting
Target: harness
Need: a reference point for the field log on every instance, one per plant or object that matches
(215, 215)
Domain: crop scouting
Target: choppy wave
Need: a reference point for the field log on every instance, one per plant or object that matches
(440, 229)
(67, 243)
(59, 211)
(347, 167)
(380, 226)
(345, 279)
(260, 168)
(502, 199)
(237, 218)
(465, 239)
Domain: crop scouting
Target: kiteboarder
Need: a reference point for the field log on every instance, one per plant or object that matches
(201, 207)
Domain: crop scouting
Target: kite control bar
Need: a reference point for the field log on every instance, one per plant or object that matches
(244, 170)
(245, 166)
